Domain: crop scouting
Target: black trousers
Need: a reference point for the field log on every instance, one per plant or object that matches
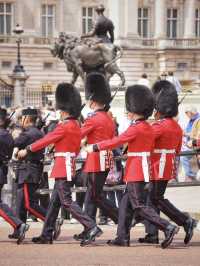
(61, 196)
(95, 197)
(44, 199)
(27, 201)
(7, 213)
(133, 203)
(164, 205)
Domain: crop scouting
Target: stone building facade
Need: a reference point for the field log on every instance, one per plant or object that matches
(157, 36)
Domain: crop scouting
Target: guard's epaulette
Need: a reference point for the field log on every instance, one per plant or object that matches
(91, 114)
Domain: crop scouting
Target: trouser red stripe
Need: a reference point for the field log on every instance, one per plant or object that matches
(27, 204)
(7, 219)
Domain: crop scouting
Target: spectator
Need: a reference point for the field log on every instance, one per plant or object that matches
(171, 78)
(193, 116)
(144, 81)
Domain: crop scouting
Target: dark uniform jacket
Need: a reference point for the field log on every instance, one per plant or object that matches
(6, 150)
(29, 170)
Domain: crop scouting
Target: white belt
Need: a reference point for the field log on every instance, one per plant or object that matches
(145, 165)
(68, 164)
(102, 155)
(162, 163)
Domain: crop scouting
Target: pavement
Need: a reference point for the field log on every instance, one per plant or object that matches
(68, 252)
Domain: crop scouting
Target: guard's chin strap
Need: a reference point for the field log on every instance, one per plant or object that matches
(183, 98)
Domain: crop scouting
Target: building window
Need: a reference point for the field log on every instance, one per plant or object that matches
(87, 19)
(143, 22)
(182, 66)
(5, 18)
(149, 66)
(48, 20)
(172, 21)
(197, 22)
(6, 64)
(48, 66)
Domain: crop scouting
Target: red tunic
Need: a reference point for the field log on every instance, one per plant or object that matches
(66, 137)
(140, 139)
(98, 126)
(168, 142)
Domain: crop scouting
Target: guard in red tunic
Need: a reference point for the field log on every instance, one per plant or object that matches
(168, 142)
(140, 139)
(98, 126)
(66, 138)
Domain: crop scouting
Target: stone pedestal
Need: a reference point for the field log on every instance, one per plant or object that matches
(19, 81)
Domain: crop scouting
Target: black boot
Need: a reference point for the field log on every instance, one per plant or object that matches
(189, 226)
(91, 235)
(57, 231)
(21, 232)
(81, 236)
(119, 242)
(170, 232)
(14, 235)
(150, 239)
(42, 240)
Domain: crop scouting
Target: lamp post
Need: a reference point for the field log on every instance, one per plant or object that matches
(18, 31)
(19, 76)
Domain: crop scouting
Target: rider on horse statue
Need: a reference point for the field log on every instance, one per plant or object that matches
(102, 26)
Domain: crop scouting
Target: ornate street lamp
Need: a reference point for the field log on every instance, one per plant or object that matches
(18, 31)
(19, 75)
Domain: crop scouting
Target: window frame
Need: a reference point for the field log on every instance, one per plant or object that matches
(46, 17)
(85, 28)
(141, 20)
(5, 14)
(197, 22)
(171, 20)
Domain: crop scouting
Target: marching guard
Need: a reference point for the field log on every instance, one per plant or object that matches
(66, 138)
(140, 139)
(168, 142)
(7, 145)
(97, 127)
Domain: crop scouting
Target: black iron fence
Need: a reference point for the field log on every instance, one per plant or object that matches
(6, 94)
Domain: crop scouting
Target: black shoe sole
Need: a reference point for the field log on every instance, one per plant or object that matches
(22, 236)
(111, 243)
(169, 241)
(43, 242)
(188, 239)
(87, 242)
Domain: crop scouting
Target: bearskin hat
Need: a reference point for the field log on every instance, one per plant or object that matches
(139, 99)
(97, 88)
(166, 98)
(30, 112)
(68, 99)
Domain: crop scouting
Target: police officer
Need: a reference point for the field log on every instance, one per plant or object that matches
(29, 169)
(66, 138)
(7, 144)
(102, 26)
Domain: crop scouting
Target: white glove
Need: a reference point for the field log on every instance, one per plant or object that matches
(89, 148)
(14, 155)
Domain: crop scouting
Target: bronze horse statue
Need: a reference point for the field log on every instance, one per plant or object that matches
(84, 55)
